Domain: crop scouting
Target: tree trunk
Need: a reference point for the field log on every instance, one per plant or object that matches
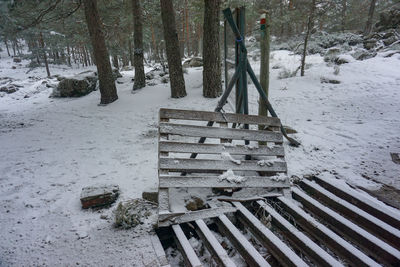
(309, 28)
(264, 70)
(140, 78)
(211, 54)
(108, 90)
(8, 50)
(172, 47)
(44, 54)
(368, 26)
(344, 10)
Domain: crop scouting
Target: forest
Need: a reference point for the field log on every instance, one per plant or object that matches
(199, 132)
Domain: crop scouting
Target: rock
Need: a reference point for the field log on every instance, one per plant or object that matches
(363, 55)
(76, 86)
(98, 196)
(331, 53)
(13, 67)
(116, 73)
(329, 80)
(193, 62)
(194, 203)
(150, 196)
(17, 60)
(343, 59)
(370, 43)
(390, 40)
(9, 89)
(135, 212)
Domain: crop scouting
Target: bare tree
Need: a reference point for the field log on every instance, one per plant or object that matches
(140, 78)
(310, 26)
(371, 11)
(172, 47)
(108, 90)
(211, 51)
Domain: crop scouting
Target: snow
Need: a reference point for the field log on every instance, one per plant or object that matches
(230, 176)
(51, 148)
(227, 156)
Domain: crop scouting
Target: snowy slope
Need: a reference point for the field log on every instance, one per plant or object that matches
(51, 148)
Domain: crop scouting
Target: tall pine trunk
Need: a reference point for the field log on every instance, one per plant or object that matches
(172, 47)
(310, 25)
(344, 10)
(212, 86)
(108, 90)
(140, 78)
(44, 54)
(371, 11)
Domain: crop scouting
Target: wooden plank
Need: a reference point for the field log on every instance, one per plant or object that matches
(242, 245)
(216, 182)
(357, 199)
(218, 117)
(326, 236)
(163, 199)
(177, 147)
(376, 247)
(210, 166)
(185, 248)
(358, 216)
(167, 219)
(299, 239)
(217, 251)
(159, 251)
(269, 240)
(216, 132)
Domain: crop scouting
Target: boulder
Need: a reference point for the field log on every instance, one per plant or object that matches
(370, 43)
(390, 40)
(116, 73)
(9, 89)
(193, 62)
(135, 212)
(17, 59)
(76, 86)
(363, 54)
(99, 196)
(195, 203)
(343, 59)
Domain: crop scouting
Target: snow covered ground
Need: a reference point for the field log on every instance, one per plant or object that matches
(51, 148)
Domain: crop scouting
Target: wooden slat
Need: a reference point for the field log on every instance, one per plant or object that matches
(177, 147)
(357, 199)
(216, 132)
(300, 240)
(163, 199)
(217, 251)
(205, 165)
(167, 219)
(358, 216)
(275, 246)
(326, 236)
(218, 117)
(159, 251)
(242, 245)
(186, 249)
(215, 182)
(362, 238)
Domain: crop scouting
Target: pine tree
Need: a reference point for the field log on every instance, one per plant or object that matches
(108, 90)
(140, 78)
(211, 50)
(172, 47)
